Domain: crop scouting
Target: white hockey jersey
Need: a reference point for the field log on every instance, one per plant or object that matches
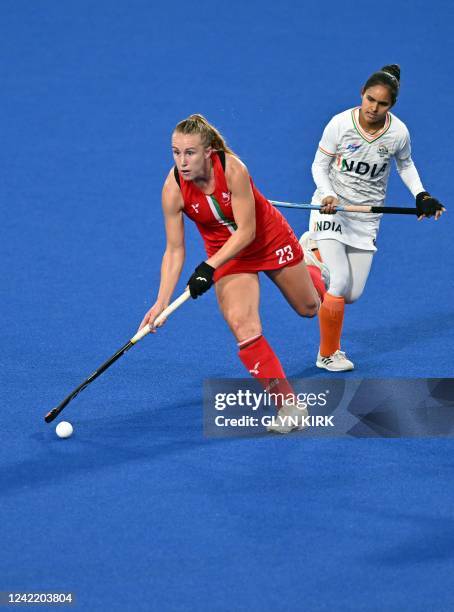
(357, 174)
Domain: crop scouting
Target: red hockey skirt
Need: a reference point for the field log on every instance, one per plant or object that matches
(281, 250)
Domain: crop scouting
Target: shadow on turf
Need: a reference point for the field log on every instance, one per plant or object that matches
(135, 436)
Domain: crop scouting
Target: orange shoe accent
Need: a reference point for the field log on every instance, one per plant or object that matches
(330, 318)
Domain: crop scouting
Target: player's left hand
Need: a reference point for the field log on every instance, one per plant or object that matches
(201, 280)
(428, 206)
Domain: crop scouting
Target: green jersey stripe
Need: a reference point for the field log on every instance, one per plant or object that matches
(219, 215)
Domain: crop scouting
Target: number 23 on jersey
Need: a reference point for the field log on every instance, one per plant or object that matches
(285, 254)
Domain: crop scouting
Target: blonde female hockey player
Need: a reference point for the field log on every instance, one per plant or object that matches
(243, 235)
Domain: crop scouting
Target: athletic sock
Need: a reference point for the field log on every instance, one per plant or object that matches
(317, 281)
(262, 363)
(331, 317)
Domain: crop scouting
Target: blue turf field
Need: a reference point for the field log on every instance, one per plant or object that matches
(138, 511)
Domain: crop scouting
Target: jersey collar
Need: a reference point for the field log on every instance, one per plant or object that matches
(364, 135)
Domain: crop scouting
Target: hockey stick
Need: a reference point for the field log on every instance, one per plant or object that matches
(50, 416)
(393, 210)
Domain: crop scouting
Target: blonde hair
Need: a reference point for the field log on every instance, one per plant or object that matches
(210, 136)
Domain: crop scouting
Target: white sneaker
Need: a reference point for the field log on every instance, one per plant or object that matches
(288, 418)
(337, 362)
(308, 247)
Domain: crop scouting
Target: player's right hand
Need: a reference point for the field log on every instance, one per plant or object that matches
(329, 205)
(150, 317)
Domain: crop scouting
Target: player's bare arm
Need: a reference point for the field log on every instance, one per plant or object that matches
(173, 258)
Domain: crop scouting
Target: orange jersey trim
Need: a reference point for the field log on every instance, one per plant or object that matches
(326, 152)
(364, 135)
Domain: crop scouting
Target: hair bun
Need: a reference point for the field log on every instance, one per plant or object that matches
(393, 70)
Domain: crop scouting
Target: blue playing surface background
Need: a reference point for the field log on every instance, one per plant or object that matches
(138, 511)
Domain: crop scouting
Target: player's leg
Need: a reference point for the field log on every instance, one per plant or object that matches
(360, 264)
(302, 290)
(331, 314)
(238, 297)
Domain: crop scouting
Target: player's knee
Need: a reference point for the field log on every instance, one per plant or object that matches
(309, 309)
(340, 286)
(312, 309)
(352, 296)
(242, 325)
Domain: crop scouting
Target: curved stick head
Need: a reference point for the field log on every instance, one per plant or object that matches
(50, 416)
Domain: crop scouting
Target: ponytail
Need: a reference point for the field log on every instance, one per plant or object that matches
(210, 136)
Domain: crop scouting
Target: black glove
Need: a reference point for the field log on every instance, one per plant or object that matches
(201, 280)
(427, 205)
